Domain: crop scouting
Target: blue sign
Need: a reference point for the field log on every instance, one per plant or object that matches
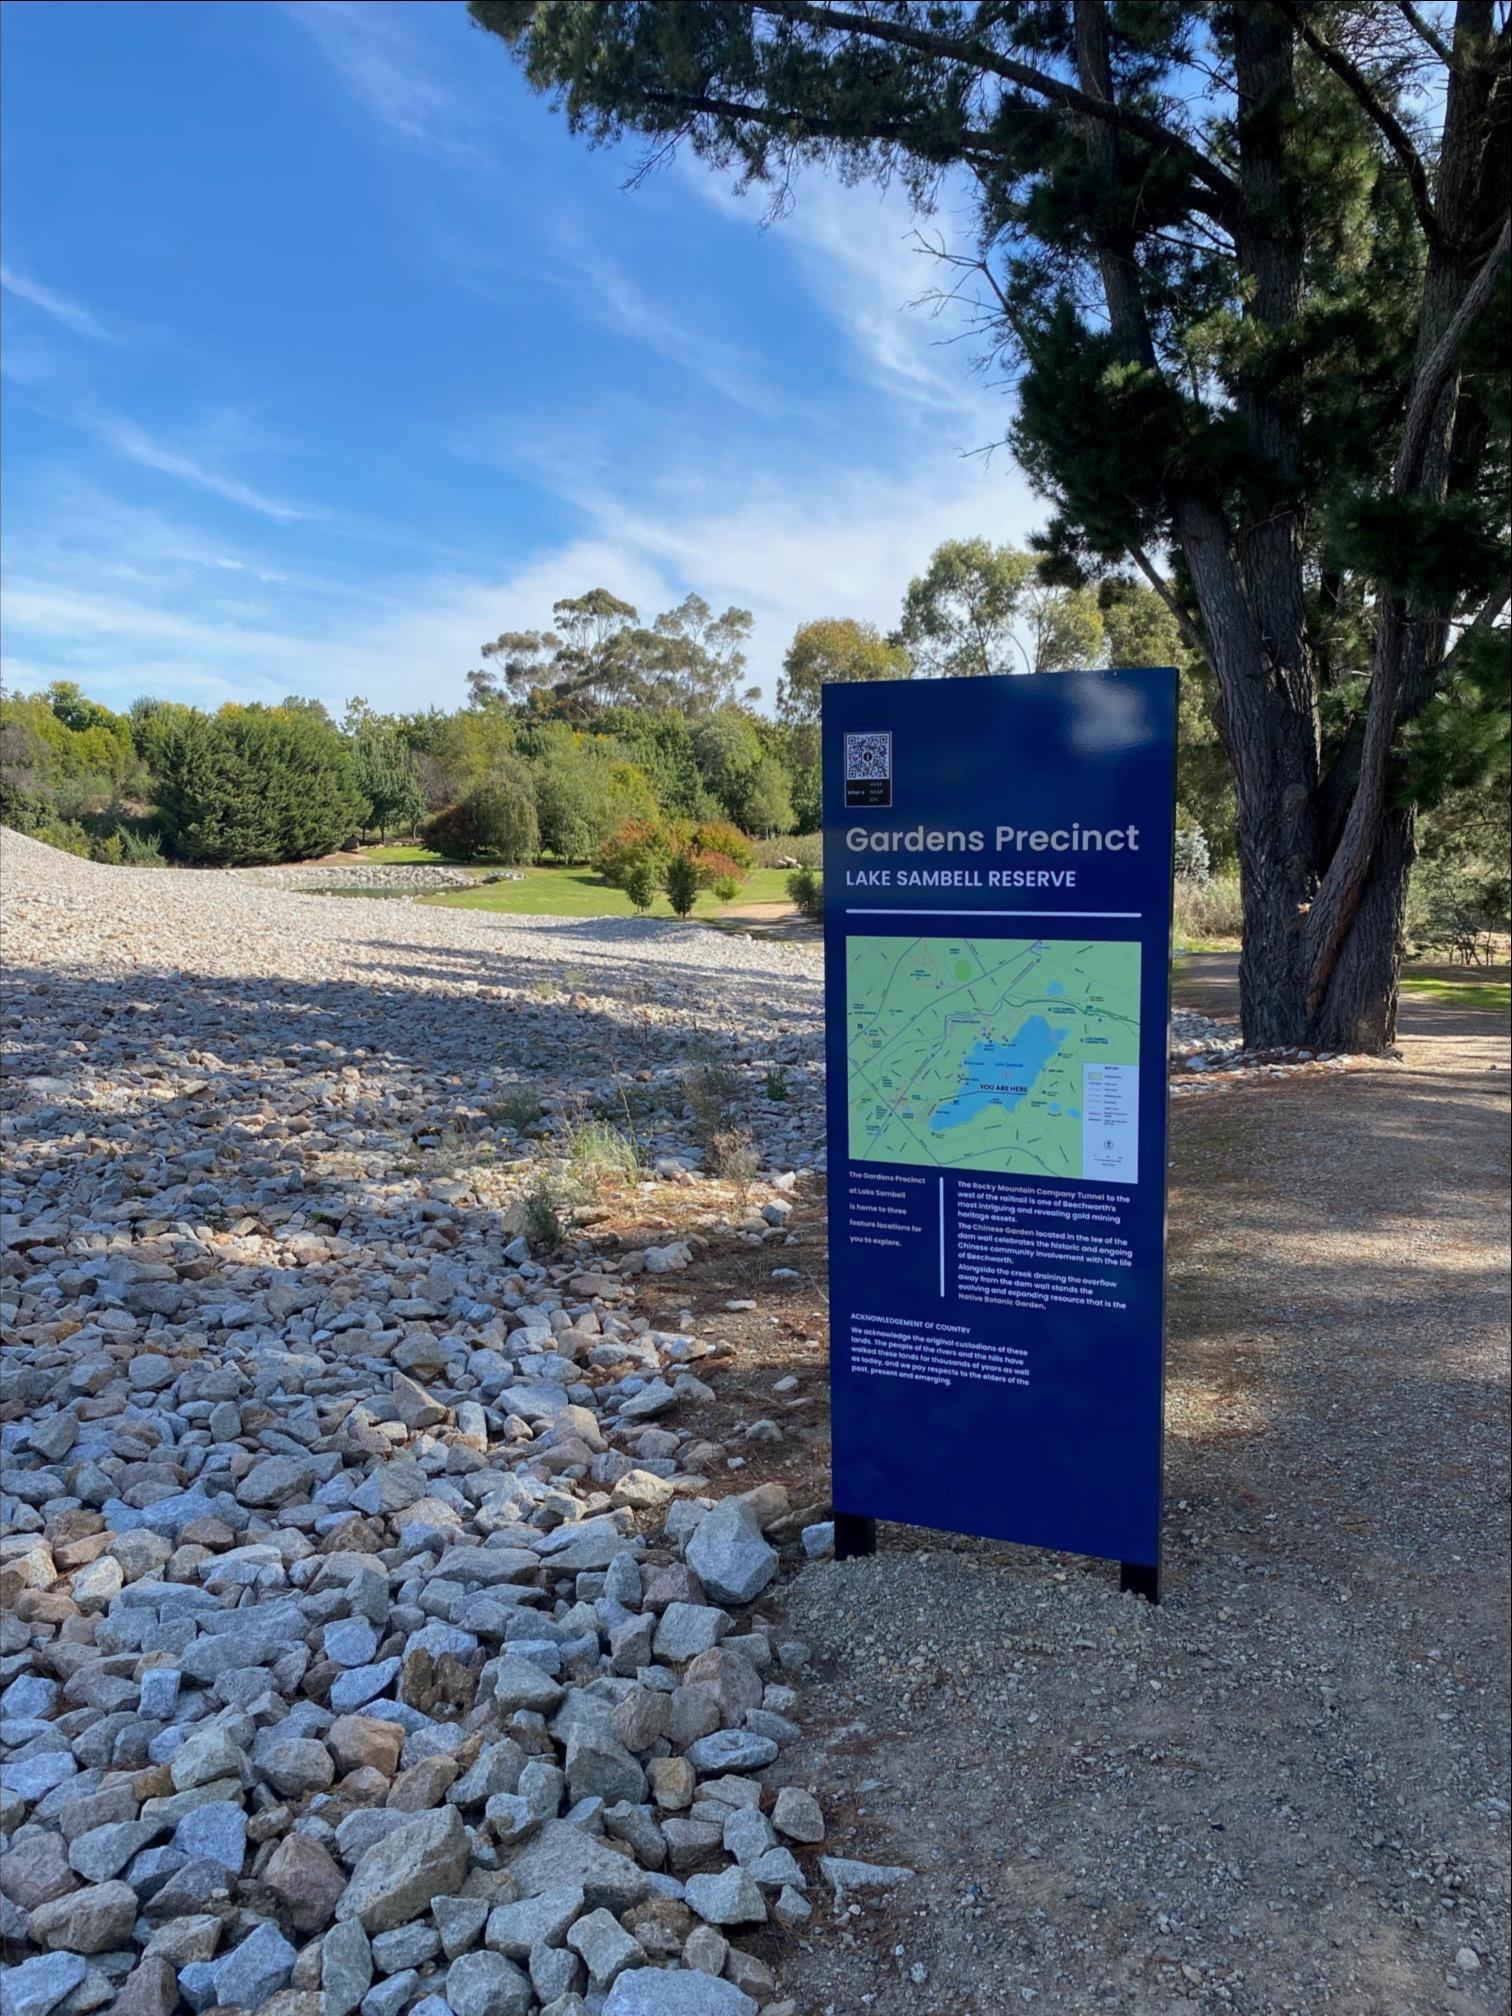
(997, 926)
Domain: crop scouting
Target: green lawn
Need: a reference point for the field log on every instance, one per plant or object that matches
(579, 892)
(1466, 993)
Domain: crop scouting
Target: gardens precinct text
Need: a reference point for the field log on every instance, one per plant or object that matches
(1073, 839)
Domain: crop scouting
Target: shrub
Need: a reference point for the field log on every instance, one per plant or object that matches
(517, 1107)
(640, 885)
(633, 843)
(807, 849)
(712, 1091)
(597, 1148)
(731, 1153)
(495, 821)
(141, 850)
(807, 891)
(1193, 862)
(1206, 910)
(541, 1209)
(721, 837)
(67, 835)
(256, 784)
(109, 848)
(719, 873)
(681, 880)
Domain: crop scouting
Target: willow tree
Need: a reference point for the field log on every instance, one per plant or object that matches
(1250, 265)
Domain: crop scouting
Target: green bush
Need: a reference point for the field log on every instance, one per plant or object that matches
(496, 820)
(256, 784)
(640, 885)
(67, 835)
(807, 890)
(141, 850)
(682, 882)
(109, 848)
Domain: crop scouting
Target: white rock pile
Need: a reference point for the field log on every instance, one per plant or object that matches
(373, 1637)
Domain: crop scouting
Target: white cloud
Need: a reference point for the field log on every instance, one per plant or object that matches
(61, 308)
(386, 70)
(138, 446)
(858, 249)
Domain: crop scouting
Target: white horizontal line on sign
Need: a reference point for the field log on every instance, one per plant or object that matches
(994, 913)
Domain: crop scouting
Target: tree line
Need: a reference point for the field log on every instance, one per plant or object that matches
(574, 734)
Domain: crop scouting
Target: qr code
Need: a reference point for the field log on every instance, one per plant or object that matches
(868, 758)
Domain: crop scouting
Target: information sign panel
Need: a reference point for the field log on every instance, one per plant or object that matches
(997, 894)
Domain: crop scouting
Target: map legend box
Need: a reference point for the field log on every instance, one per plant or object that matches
(1110, 1122)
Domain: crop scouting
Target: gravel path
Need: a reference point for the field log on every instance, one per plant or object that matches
(1285, 1791)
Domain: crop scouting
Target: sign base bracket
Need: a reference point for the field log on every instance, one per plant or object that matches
(854, 1536)
(1134, 1579)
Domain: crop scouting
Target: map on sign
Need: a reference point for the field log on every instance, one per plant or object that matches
(1013, 1055)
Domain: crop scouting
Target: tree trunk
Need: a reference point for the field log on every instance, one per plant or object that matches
(1359, 1010)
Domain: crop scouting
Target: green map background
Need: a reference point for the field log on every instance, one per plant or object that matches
(915, 1009)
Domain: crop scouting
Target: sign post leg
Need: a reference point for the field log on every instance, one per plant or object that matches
(1134, 1579)
(854, 1536)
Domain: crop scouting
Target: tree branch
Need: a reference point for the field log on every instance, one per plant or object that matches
(1191, 631)
(1426, 32)
(974, 147)
(840, 20)
(1376, 110)
(1438, 366)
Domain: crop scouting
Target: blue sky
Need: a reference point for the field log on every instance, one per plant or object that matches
(329, 354)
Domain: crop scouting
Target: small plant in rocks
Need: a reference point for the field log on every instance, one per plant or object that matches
(518, 1108)
(776, 1083)
(542, 1209)
(597, 1148)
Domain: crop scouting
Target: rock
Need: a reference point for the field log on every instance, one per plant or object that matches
(302, 1873)
(543, 1920)
(486, 1984)
(151, 1989)
(35, 1869)
(819, 1539)
(459, 1920)
(358, 1740)
(648, 1991)
(686, 1629)
(843, 1874)
(642, 1491)
(346, 1967)
(729, 1555)
(296, 1766)
(216, 1832)
(276, 1480)
(256, 1969)
(561, 1856)
(398, 1876)
(605, 1947)
(204, 1756)
(92, 1920)
(798, 1815)
(731, 1750)
(519, 1683)
(730, 1898)
(414, 1406)
(731, 1680)
(706, 1949)
(40, 1984)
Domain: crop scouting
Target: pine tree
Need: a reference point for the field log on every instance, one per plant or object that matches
(1247, 264)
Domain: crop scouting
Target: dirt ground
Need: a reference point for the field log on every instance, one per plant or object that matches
(1285, 1791)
